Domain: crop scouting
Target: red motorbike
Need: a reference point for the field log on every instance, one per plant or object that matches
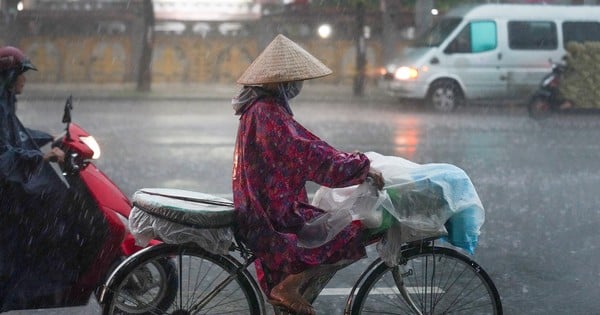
(82, 175)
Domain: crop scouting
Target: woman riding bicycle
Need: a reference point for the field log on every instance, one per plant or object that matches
(274, 158)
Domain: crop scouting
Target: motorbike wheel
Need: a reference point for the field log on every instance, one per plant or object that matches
(156, 283)
(539, 108)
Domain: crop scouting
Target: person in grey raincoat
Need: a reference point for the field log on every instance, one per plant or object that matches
(46, 240)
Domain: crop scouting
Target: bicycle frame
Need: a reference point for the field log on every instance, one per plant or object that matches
(249, 258)
(419, 260)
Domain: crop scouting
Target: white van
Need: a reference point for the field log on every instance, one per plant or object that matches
(490, 51)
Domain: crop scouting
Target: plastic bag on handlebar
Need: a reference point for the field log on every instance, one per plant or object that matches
(425, 200)
(343, 205)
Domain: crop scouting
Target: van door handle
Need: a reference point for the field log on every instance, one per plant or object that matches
(499, 56)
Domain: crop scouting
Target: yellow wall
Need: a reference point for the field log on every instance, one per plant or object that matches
(108, 59)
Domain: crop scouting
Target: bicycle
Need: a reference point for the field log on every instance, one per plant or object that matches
(429, 279)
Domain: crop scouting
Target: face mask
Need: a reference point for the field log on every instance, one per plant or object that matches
(292, 89)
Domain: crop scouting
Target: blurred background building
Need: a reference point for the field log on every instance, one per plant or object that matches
(196, 41)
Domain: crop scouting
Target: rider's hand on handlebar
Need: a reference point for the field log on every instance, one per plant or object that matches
(377, 178)
(55, 155)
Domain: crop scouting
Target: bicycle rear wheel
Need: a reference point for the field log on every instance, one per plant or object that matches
(207, 284)
(433, 280)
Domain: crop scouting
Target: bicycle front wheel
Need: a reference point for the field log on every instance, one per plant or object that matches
(206, 284)
(433, 280)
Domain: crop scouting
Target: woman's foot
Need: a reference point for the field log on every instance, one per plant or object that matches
(286, 294)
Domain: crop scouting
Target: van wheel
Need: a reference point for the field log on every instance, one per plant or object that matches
(445, 96)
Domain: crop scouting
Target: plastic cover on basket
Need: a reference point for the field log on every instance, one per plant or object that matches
(178, 216)
(425, 200)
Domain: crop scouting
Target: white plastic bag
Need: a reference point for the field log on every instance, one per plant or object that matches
(426, 200)
(428, 197)
(343, 205)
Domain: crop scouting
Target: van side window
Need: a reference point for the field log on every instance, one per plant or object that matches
(580, 32)
(532, 35)
(476, 37)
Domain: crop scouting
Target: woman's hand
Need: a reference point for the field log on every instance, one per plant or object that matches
(55, 155)
(377, 178)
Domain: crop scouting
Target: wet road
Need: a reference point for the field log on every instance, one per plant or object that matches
(539, 181)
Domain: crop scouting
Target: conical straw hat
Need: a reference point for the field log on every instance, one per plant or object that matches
(283, 61)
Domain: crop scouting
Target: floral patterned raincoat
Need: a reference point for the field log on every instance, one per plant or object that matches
(274, 158)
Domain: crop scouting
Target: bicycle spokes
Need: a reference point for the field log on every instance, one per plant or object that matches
(429, 281)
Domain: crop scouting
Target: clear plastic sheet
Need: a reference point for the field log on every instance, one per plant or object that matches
(429, 197)
(425, 199)
(145, 227)
(343, 205)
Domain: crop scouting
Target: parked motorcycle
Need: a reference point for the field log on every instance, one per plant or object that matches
(547, 98)
(81, 175)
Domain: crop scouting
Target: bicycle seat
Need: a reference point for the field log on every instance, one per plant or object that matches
(185, 207)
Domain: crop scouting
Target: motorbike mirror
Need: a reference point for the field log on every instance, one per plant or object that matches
(68, 107)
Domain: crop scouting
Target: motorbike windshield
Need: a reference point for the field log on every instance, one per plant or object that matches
(437, 33)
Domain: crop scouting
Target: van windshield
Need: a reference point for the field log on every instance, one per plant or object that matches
(435, 35)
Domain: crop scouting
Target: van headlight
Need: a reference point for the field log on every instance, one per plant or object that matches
(406, 73)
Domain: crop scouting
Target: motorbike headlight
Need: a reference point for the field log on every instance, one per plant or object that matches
(406, 73)
(92, 144)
